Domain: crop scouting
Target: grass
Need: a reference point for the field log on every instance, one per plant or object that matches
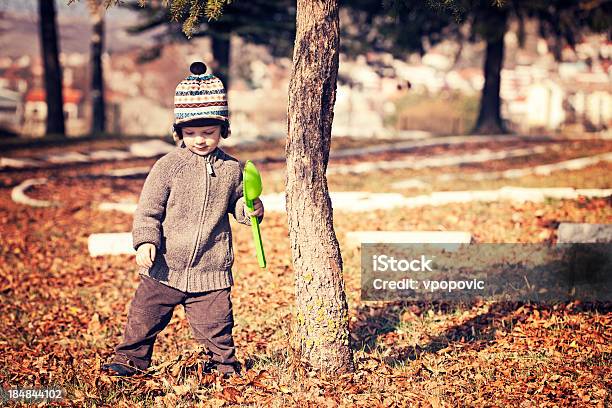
(444, 113)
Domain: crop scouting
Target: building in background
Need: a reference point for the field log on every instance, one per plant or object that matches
(10, 112)
(35, 113)
(539, 94)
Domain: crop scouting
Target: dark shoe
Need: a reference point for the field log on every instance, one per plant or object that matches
(119, 369)
(208, 366)
(228, 371)
(229, 374)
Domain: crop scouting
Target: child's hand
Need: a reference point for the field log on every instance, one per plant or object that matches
(145, 255)
(257, 207)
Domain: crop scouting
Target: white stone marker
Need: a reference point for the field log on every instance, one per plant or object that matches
(68, 157)
(151, 148)
(7, 162)
(586, 233)
(18, 194)
(110, 154)
(128, 208)
(453, 238)
(129, 172)
(410, 183)
(110, 244)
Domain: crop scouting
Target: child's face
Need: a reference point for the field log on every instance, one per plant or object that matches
(202, 140)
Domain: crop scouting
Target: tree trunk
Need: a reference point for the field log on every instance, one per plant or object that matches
(221, 47)
(489, 117)
(97, 78)
(53, 71)
(321, 307)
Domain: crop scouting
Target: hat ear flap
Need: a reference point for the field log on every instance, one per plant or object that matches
(176, 134)
(226, 131)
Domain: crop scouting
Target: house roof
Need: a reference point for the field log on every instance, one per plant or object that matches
(70, 95)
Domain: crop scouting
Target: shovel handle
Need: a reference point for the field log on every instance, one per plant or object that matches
(261, 258)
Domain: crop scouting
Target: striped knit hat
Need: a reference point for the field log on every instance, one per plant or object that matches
(200, 96)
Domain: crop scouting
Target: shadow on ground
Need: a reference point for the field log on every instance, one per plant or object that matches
(477, 332)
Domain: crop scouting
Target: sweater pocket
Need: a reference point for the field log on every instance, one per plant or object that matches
(225, 246)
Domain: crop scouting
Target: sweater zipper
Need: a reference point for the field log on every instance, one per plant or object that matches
(195, 247)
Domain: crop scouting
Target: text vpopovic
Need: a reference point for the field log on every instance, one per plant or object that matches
(386, 263)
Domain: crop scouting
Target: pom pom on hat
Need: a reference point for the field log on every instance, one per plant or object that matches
(198, 68)
(200, 96)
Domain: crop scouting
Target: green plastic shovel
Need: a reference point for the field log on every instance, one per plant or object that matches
(252, 187)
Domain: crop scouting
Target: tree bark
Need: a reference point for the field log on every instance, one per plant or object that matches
(321, 306)
(489, 117)
(53, 71)
(221, 47)
(97, 78)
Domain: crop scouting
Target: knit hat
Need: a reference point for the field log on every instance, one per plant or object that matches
(200, 98)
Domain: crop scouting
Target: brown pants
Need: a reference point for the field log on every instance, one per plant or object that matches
(209, 314)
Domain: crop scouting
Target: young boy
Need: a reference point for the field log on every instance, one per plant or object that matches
(182, 235)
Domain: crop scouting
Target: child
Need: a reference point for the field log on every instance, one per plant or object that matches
(182, 234)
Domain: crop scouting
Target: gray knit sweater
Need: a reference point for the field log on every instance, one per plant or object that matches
(183, 210)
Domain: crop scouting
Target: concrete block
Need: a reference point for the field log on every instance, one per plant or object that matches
(128, 208)
(110, 244)
(18, 194)
(520, 195)
(129, 172)
(68, 157)
(453, 238)
(584, 233)
(410, 183)
(560, 193)
(446, 197)
(486, 195)
(151, 148)
(354, 201)
(594, 192)
(10, 163)
(110, 154)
